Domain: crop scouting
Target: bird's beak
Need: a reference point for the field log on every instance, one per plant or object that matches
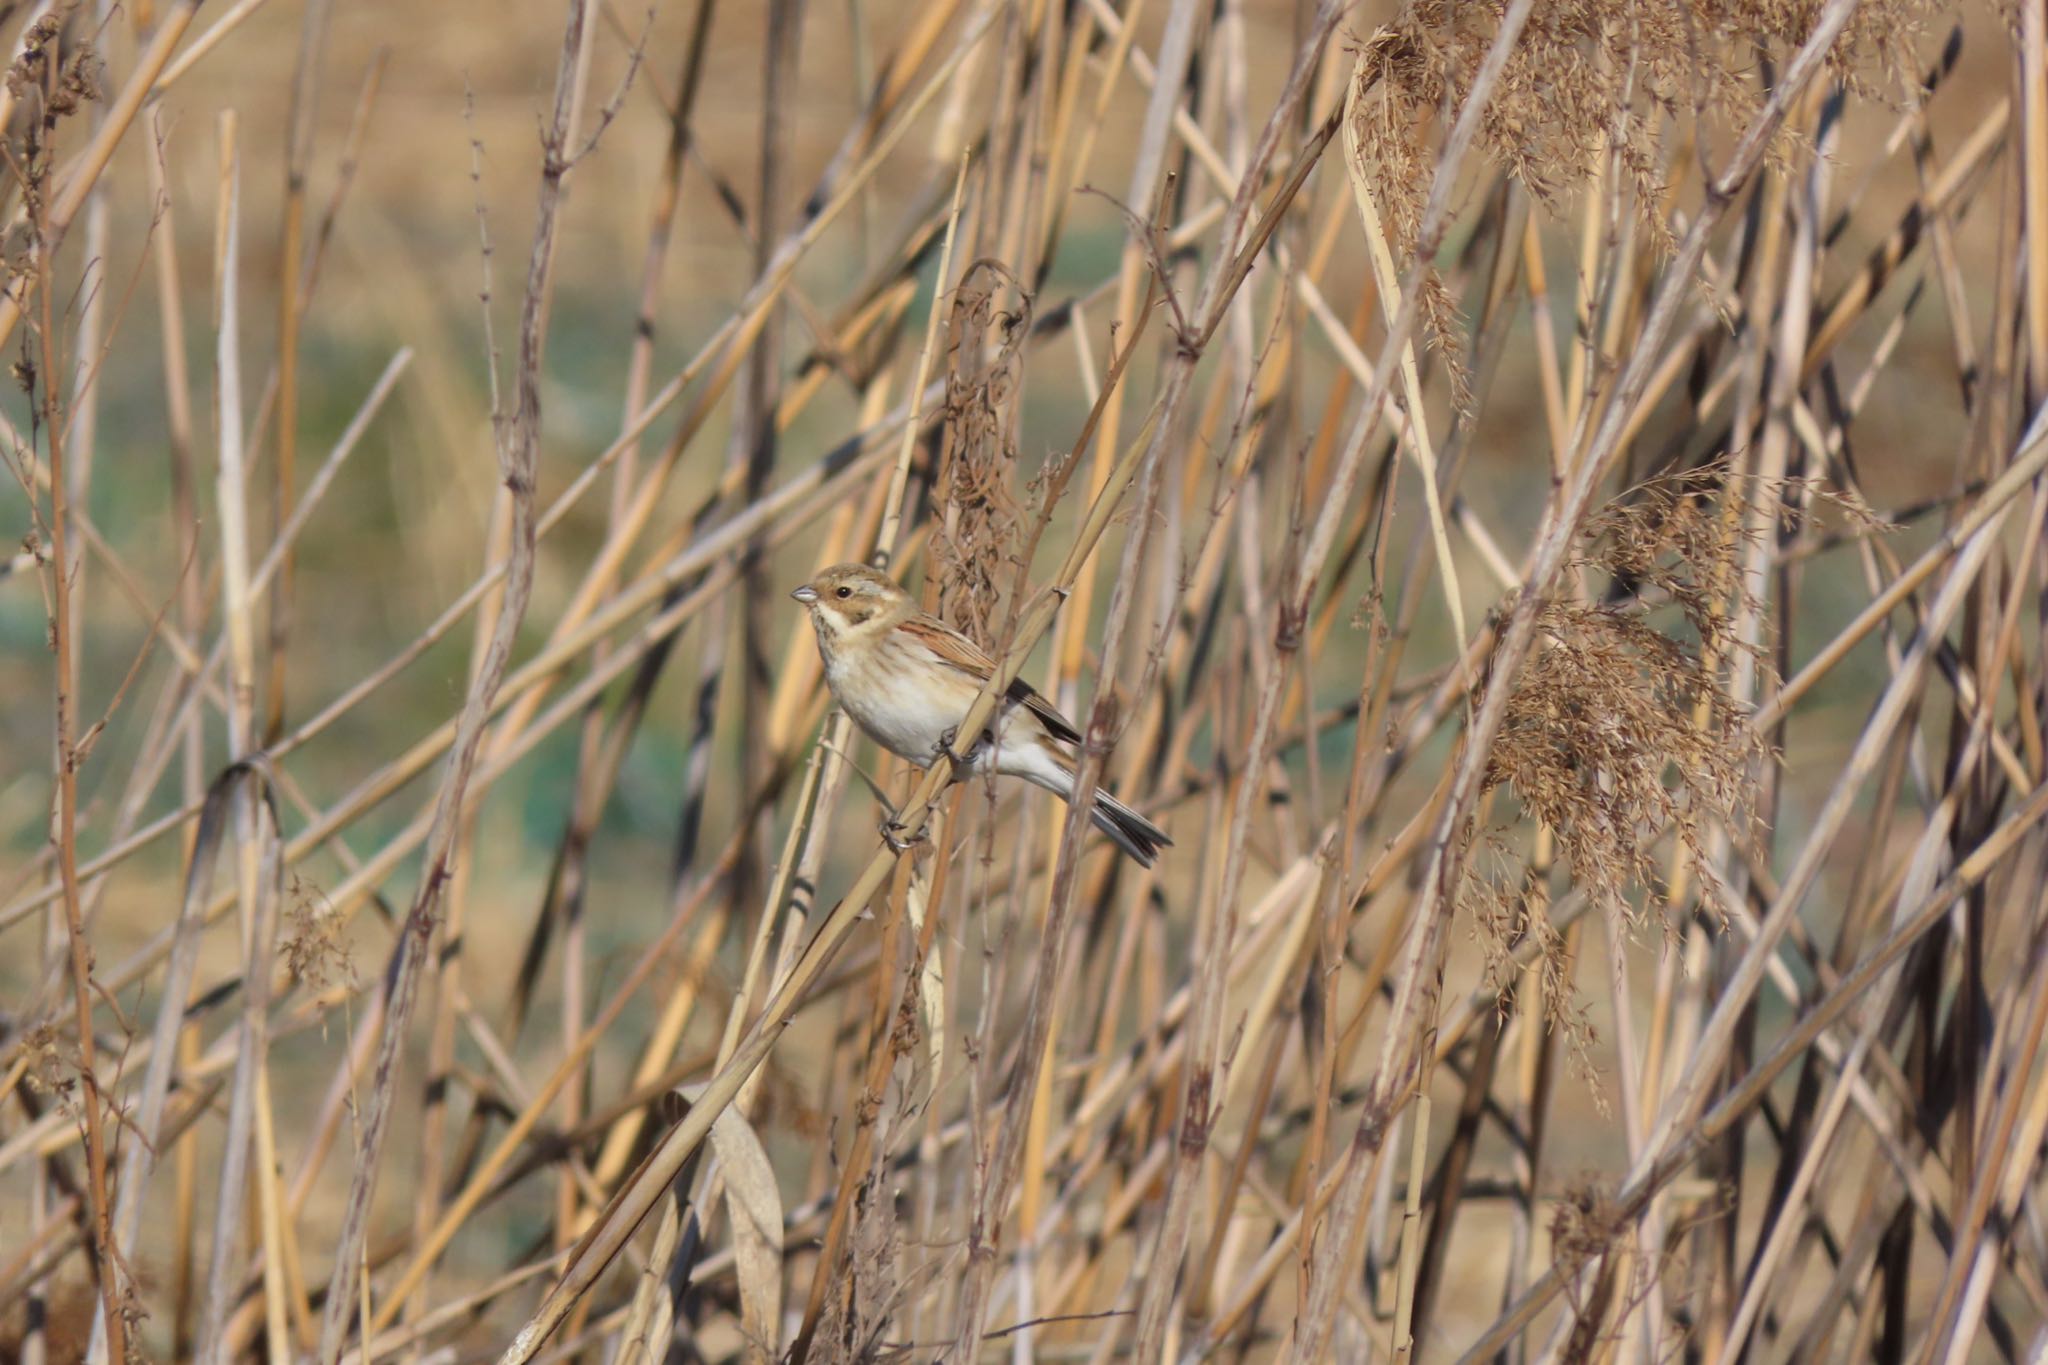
(806, 594)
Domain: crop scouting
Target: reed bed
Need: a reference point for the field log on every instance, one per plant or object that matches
(1543, 502)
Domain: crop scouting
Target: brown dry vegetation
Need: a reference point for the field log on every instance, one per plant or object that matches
(1543, 501)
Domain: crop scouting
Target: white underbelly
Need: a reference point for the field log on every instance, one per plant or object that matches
(896, 716)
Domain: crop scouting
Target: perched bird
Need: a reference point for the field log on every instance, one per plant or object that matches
(907, 680)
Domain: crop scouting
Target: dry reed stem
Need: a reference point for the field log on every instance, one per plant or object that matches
(108, 1272)
(518, 444)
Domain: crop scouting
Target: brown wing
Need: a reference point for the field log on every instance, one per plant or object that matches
(970, 658)
(1025, 695)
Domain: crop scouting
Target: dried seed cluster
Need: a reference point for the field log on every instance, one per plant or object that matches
(1621, 726)
(972, 538)
(1589, 82)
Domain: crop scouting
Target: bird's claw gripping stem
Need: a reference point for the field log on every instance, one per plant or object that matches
(898, 835)
(963, 764)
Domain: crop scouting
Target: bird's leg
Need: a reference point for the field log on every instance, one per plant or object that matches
(898, 835)
(963, 764)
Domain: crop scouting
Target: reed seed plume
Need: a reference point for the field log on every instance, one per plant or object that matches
(1621, 729)
(975, 502)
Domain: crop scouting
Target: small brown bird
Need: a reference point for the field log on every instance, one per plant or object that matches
(907, 680)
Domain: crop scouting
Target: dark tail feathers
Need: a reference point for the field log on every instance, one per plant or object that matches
(1128, 830)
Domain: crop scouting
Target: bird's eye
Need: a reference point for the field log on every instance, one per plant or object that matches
(845, 591)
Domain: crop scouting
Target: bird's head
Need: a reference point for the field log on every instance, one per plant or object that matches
(846, 597)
